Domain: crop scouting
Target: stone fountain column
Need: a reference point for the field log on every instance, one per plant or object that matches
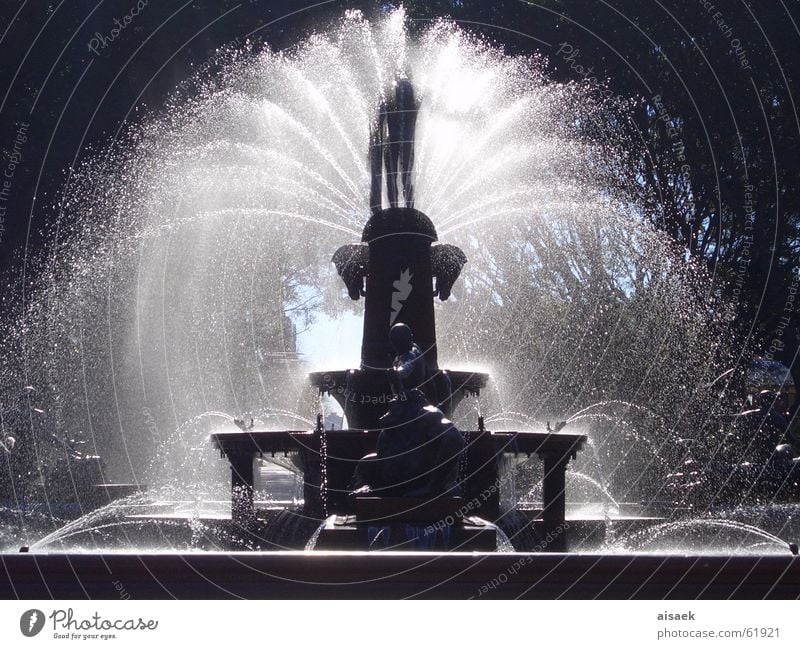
(399, 284)
(398, 271)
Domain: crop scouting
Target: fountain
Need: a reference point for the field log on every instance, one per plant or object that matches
(182, 309)
(399, 272)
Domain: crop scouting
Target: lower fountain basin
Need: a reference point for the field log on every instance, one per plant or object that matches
(389, 575)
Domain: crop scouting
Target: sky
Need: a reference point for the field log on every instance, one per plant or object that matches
(332, 343)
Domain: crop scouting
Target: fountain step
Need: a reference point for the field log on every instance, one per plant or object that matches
(395, 575)
(105, 493)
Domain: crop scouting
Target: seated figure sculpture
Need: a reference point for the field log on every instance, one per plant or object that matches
(418, 449)
(409, 369)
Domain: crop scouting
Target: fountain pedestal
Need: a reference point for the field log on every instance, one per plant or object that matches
(408, 523)
(335, 454)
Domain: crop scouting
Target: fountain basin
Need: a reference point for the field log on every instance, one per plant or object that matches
(363, 394)
(392, 575)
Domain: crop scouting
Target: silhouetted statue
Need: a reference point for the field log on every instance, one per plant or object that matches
(409, 370)
(418, 449)
(418, 452)
(351, 263)
(392, 146)
(446, 264)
